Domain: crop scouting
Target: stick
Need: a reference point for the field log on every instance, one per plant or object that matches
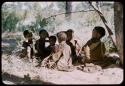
(105, 23)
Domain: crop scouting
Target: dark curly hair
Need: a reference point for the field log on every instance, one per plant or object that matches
(44, 31)
(25, 33)
(100, 30)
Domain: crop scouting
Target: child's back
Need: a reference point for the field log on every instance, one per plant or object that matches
(65, 62)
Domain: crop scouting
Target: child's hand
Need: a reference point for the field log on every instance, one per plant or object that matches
(26, 40)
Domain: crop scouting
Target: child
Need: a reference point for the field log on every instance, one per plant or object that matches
(60, 59)
(65, 61)
(52, 41)
(53, 52)
(95, 46)
(27, 45)
(75, 47)
(40, 44)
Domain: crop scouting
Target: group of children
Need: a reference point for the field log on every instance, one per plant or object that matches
(64, 55)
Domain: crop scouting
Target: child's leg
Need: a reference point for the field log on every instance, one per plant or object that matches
(23, 53)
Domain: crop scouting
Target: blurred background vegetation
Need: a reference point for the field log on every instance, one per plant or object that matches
(19, 16)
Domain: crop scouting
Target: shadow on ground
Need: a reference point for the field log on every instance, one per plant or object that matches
(19, 80)
(11, 45)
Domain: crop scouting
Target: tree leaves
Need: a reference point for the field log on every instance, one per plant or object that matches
(9, 23)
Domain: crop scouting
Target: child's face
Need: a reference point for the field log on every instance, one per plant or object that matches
(28, 37)
(51, 41)
(95, 34)
(43, 35)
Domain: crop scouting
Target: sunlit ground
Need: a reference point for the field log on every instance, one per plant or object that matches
(14, 69)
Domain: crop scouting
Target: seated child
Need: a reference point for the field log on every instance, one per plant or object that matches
(27, 45)
(51, 60)
(52, 41)
(74, 45)
(60, 59)
(65, 61)
(95, 49)
(40, 45)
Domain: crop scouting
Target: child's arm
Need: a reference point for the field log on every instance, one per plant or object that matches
(33, 46)
(36, 46)
(87, 52)
(29, 52)
(78, 48)
(103, 50)
(25, 44)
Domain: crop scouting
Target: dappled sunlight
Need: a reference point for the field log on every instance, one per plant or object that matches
(34, 16)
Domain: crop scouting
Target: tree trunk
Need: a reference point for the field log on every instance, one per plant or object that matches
(68, 10)
(118, 21)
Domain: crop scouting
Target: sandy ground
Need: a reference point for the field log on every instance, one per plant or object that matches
(17, 67)
(14, 69)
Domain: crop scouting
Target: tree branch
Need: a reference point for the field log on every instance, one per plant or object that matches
(103, 19)
(69, 12)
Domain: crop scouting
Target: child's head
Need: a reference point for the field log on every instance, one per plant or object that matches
(61, 36)
(52, 40)
(70, 34)
(98, 32)
(27, 34)
(30, 36)
(43, 34)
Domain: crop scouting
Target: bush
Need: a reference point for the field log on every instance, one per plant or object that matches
(9, 22)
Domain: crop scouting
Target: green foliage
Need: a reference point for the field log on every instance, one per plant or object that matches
(9, 22)
(43, 22)
(10, 18)
(113, 49)
(109, 45)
